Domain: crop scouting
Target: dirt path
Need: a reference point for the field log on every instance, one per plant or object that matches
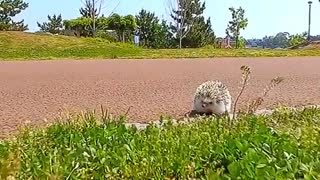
(32, 91)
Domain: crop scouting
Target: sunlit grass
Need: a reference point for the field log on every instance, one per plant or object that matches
(27, 46)
(284, 145)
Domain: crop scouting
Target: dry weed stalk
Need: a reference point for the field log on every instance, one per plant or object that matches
(252, 108)
(245, 78)
(106, 116)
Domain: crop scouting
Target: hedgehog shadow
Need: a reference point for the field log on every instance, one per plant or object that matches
(195, 114)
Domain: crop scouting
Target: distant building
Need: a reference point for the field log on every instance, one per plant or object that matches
(225, 42)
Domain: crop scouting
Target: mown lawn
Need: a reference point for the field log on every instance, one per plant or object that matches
(284, 145)
(27, 46)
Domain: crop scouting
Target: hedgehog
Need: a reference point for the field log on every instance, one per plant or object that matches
(212, 97)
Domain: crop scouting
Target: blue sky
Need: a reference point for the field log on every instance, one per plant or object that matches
(266, 17)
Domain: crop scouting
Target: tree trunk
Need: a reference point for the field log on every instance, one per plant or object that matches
(78, 32)
(94, 27)
(123, 36)
(237, 42)
(93, 18)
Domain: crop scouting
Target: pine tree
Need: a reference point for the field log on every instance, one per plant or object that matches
(147, 23)
(184, 16)
(8, 10)
(88, 9)
(165, 37)
(152, 32)
(54, 25)
(190, 27)
(201, 34)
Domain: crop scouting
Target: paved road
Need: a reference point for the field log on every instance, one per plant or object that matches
(32, 91)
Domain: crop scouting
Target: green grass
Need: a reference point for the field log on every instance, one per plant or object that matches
(27, 46)
(284, 145)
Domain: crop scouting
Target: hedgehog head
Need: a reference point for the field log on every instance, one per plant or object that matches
(209, 101)
(212, 97)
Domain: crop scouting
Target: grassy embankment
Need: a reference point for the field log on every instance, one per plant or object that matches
(284, 145)
(26, 46)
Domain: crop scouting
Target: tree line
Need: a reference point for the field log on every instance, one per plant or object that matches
(282, 40)
(188, 27)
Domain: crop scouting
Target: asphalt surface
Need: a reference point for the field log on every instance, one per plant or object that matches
(37, 91)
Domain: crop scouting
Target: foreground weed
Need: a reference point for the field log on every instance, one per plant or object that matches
(245, 78)
(253, 106)
(263, 147)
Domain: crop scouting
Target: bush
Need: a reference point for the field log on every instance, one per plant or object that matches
(254, 147)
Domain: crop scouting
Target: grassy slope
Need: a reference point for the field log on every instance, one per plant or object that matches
(18, 45)
(284, 145)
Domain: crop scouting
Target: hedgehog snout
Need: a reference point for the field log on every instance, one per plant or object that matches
(206, 104)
